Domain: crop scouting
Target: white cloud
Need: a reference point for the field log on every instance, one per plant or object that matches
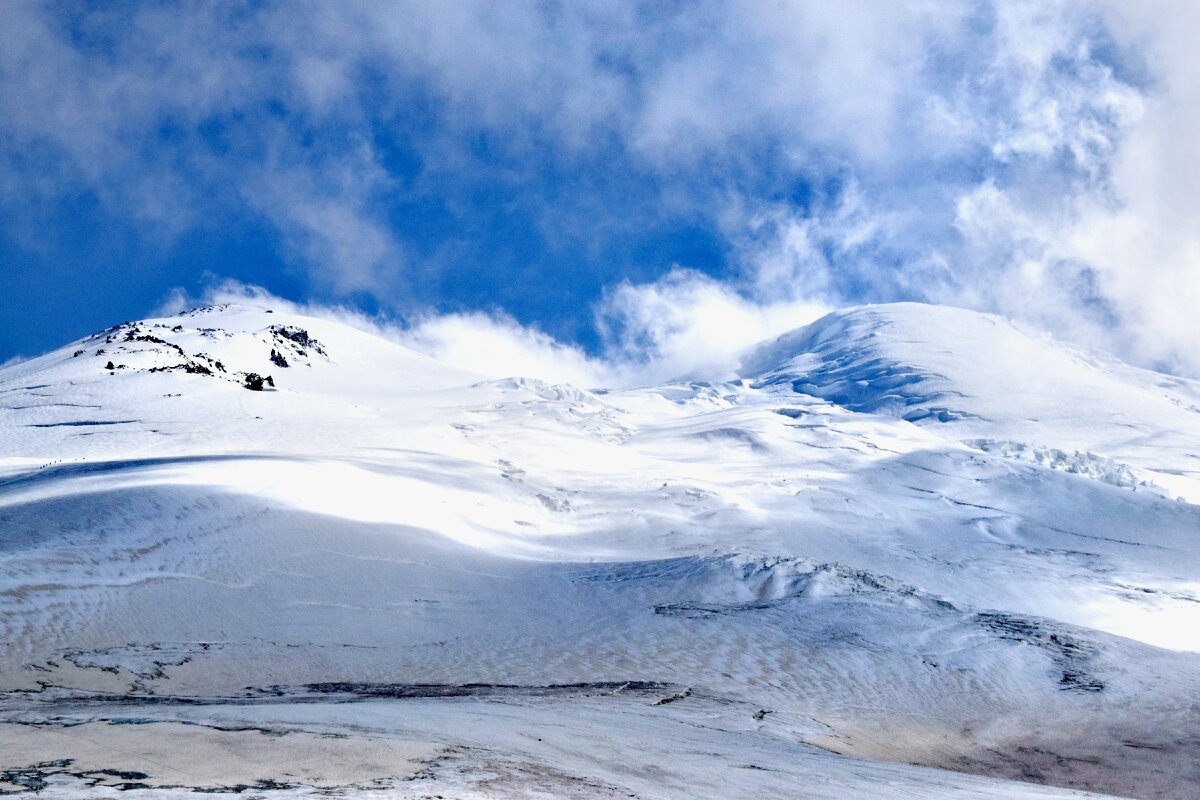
(830, 77)
(1109, 253)
(1036, 159)
(323, 212)
(497, 346)
(689, 325)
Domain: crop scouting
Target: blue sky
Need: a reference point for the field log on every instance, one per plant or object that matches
(636, 181)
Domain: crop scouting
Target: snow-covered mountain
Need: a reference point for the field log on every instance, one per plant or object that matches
(905, 535)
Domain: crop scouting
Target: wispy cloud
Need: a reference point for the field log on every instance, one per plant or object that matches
(323, 212)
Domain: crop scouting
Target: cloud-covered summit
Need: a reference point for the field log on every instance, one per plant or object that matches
(608, 174)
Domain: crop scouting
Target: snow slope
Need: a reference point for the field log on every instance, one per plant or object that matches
(905, 534)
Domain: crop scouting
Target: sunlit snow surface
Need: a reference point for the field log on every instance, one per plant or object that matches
(902, 535)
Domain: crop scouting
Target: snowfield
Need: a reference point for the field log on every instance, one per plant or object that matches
(905, 551)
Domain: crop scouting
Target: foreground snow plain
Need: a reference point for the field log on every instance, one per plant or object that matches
(897, 546)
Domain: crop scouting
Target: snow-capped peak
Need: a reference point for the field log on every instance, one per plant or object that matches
(976, 377)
